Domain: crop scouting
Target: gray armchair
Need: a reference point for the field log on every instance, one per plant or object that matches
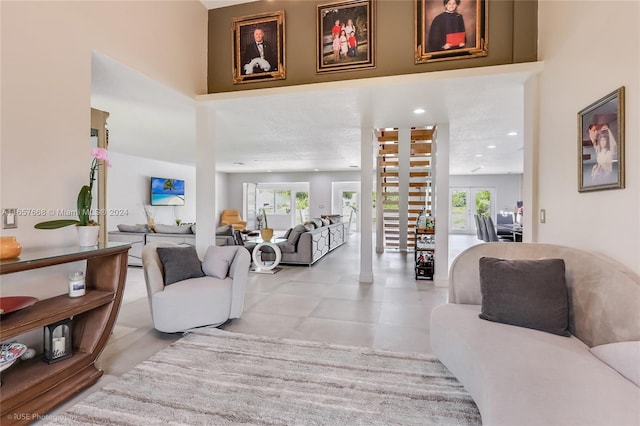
(195, 302)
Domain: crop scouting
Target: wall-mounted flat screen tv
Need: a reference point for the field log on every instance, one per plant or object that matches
(167, 192)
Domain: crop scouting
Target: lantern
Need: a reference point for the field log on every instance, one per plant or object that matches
(57, 341)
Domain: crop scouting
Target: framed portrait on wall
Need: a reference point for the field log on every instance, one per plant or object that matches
(601, 144)
(345, 36)
(259, 47)
(450, 29)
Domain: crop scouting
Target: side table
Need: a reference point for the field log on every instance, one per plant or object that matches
(260, 266)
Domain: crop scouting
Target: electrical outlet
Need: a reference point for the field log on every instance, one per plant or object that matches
(9, 218)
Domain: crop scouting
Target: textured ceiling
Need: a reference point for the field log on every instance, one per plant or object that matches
(304, 128)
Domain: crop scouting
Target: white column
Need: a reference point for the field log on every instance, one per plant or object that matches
(205, 178)
(529, 178)
(366, 206)
(379, 206)
(404, 154)
(440, 171)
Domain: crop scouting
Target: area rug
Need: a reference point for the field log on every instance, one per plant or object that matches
(214, 377)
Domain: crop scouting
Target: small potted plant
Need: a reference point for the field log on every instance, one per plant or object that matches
(88, 229)
(266, 233)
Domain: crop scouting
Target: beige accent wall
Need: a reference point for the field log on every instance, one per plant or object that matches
(581, 65)
(46, 89)
(512, 38)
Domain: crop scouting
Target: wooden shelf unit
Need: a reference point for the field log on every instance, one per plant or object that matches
(31, 388)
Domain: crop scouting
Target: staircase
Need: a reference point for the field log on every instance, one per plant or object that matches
(419, 191)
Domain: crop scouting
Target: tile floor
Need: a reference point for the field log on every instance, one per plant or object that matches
(324, 302)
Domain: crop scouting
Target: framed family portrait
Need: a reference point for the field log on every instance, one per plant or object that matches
(450, 29)
(258, 47)
(345, 36)
(601, 144)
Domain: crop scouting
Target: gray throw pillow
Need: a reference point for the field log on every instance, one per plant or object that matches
(295, 233)
(310, 225)
(133, 228)
(226, 230)
(335, 218)
(173, 229)
(217, 261)
(525, 293)
(179, 263)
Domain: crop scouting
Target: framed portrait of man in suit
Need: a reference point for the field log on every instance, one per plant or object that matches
(450, 29)
(259, 47)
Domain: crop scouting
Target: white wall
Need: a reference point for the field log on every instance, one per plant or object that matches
(222, 196)
(46, 89)
(589, 49)
(46, 100)
(128, 188)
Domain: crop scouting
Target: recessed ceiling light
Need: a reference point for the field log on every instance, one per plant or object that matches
(492, 147)
(388, 129)
(479, 155)
(268, 171)
(315, 170)
(512, 134)
(419, 111)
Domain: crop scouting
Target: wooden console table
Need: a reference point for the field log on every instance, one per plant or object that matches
(31, 388)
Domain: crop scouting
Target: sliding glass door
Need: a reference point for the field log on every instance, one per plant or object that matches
(464, 202)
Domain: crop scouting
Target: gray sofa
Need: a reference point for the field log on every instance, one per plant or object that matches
(522, 376)
(140, 235)
(312, 245)
(305, 245)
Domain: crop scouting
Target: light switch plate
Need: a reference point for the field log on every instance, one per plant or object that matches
(9, 218)
(543, 215)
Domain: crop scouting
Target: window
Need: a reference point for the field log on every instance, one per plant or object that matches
(302, 207)
(274, 201)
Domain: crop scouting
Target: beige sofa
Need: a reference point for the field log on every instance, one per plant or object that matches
(521, 376)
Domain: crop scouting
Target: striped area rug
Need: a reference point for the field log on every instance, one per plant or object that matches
(214, 377)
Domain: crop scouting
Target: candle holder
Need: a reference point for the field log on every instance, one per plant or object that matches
(57, 341)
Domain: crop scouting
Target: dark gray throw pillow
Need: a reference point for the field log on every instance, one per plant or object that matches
(179, 263)
(295, 233)
(526, 293)
(225, 230)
